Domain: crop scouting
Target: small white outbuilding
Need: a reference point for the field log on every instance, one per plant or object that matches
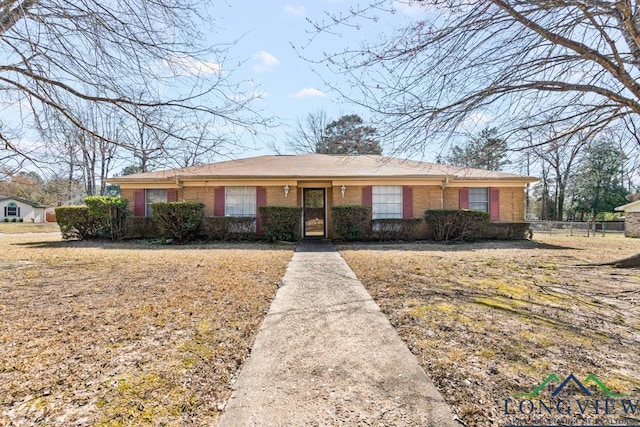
(16, 208)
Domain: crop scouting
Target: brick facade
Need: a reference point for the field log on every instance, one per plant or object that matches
(424, 197)
(632, 224)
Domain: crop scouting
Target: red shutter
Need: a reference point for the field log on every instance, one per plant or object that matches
(172, 195)
(218, 201)
(407, 201)
(261, 200)
(494, 204)
(139, 203)
(367, 196)
(464, 198)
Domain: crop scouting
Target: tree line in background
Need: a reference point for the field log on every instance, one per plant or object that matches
(581, 178)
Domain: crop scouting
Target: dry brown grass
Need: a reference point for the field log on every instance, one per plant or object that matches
(489, 320)
(28, 227)
(114, 334)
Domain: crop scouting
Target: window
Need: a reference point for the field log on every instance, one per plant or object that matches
(240, 201)
(386, 201)
(12, 209)
(153, 196)
(479, 199)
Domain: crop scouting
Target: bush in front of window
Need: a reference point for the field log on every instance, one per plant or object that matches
(75, 222)
(281, 222)
(178, 222)
(445, 225)
(351, 222)
(228, 228)
(140, 227)
(6, 220)
(396, 228)
(109, 214)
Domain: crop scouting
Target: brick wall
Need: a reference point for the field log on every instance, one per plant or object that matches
(512, 204)
(198, 194)
(451, 198)
(129, 195)
(275, 196)
(632, 224)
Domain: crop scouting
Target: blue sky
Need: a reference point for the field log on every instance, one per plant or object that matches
(291, 86)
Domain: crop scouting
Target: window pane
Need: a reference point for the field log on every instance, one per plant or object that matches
(479, 199)
(154, 196)
(386, 201)
(240, 201)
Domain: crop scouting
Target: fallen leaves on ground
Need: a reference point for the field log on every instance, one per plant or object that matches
(490, 320)
(127, 333)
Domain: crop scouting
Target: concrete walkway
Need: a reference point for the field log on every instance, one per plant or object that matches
(326, 355)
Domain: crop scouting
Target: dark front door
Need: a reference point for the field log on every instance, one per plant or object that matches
(314, 212)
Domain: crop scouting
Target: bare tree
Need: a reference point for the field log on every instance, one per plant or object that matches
(524, 64)
(308, 134)
(132, 55)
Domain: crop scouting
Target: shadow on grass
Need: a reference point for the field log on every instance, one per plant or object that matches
(156, 245)
(426, 246)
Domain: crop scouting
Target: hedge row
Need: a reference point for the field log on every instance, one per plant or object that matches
(106, 218)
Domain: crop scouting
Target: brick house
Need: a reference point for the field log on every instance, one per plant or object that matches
(631, 218)
(392, 187)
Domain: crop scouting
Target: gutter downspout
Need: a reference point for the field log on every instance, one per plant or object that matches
(180, 187)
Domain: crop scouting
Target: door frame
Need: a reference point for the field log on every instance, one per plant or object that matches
(324, 213)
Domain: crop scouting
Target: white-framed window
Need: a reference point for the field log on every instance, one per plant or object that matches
(240, 201)
(153, 196)
(386, 201)
(479, 199)
(12, 209)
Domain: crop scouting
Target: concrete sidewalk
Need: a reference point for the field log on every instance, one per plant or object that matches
(326, 355)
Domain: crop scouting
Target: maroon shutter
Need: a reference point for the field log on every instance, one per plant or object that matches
(172, 195)
(261, 200)
(494, 202)
(367, 196)
(407, 201)
(218, 201)
(464, 198)
(138, 203)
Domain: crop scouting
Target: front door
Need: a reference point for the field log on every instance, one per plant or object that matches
(314, 212)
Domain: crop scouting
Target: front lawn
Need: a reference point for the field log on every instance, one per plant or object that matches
(28, 227)
(127, 333)
(490, 320)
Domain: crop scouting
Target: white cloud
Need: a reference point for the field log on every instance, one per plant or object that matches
(308, 92)
(188, 65)
(266, 62)
(295, 10)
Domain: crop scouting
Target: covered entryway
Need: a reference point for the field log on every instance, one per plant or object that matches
(314, 213)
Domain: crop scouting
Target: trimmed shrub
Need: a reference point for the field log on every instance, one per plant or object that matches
(508, 231)
(281, 222)
(177, 221)
(396, 229)
(14, 220)
(228, 228)
(446, 225)
(75, 222)
(6, 220)
(109, 214)
(21, 220)
(351, 222)
(140, 227)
